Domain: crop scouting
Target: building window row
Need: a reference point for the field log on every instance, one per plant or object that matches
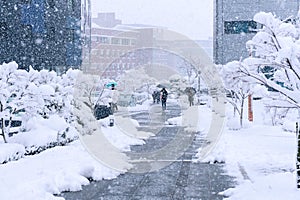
(113, 53)
(113, 41)
(238, 27)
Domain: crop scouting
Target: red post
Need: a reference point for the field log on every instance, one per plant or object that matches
(250, 111)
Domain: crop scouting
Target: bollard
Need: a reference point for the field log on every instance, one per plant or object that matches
(111, 122)
(250, 111)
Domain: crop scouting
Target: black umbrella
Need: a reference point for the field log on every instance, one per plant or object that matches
(190, 90)
(163, 85)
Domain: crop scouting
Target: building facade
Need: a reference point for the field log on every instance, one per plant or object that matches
(234, 25)
(42, 33)
(118, 48)
(110, 51)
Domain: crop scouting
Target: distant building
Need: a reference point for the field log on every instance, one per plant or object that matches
(234, 25)
(42, 33)
(110, 49)
(107, 20)
(117, 48)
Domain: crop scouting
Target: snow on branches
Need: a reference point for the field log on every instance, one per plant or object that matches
(274, 58)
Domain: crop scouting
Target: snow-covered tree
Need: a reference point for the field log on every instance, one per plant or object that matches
(67, 83)
(178, 84)
(137, 82)
(237, 88)
(86, 95)
(274, 49)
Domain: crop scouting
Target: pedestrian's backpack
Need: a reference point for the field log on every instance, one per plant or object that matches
(164, 94)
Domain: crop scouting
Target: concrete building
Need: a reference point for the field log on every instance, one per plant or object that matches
(234, 25)
(42, 33)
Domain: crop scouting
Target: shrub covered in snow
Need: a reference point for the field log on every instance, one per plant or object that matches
(11, 152)
(28, 94)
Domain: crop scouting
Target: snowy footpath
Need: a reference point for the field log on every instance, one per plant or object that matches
(262, 158)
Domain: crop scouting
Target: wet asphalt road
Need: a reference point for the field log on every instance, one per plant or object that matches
(180, 178)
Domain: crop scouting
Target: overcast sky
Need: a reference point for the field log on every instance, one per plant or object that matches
(192, 18)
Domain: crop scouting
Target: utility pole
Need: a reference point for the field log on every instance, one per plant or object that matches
(199, 90)
(298, 156)
(86, 28)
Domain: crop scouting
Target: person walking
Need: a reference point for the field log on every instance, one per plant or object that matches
(163, 97)
(190, 91)
(114, 95)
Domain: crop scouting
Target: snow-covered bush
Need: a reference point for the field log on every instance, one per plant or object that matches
(27, 94)
(13, 97)
(45, 133)
(11, 152)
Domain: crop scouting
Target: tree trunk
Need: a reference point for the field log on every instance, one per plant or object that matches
(2, 124)
(298, 158)
(2, 130)
(242, 111)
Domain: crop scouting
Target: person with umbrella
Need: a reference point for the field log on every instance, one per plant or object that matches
(190, 91)
(163, 97)
(114, 95)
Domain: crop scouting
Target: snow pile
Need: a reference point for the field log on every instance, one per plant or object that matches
(62, 168)
(120, 139)
(44, 133)
(272, 187)
(51, 172)
(174, 121)
(10, 152)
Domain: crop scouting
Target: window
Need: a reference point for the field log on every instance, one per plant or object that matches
(94, 38)
(3, 29)
(51, 3)
(104, 40)
(115, 41)
(125, 41)
(71, 5)
(237, 27)
(27, 31)
(51, 33)
(26, 1)
(70, 35)
(133, 42)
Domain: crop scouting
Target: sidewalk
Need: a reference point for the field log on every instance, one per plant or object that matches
(181, 178)
(262, 158)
